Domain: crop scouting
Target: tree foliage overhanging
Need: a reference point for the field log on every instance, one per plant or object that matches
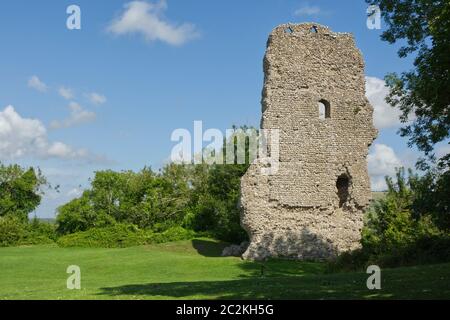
(423, 26)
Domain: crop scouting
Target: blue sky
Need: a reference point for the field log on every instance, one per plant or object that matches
(107, 97)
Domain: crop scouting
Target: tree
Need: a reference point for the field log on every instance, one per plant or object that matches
(79, 215)
(390, 223)
(146, 199)
(423, 91)
(216, 190)
(202, 197)
(431, 197)
(399, 229)
(20, 191)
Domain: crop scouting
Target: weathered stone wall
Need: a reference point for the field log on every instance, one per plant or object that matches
(312, 208)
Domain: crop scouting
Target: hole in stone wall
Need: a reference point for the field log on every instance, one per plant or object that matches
(324, 109)
(288, 30)
(313, 29)
(342, 185)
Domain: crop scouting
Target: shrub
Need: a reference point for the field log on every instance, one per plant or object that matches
(119, 235)
(215, 203)
(349, 261)
(20, 191)
(35, 239)
(204, 198)
(38, 232)
(79, 215)
(15, 232)
(12, 230)
(394, 234)
(172, 234)
(425, 250)
(122, 235)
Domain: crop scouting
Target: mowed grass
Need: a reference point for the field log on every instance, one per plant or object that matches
(195, 270)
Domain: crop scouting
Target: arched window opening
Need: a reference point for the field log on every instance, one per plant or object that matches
(324, 109)
(342, 185)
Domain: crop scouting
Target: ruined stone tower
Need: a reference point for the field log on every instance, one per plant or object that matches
(314, 93)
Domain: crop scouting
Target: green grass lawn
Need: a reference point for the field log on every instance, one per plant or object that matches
(195, 270)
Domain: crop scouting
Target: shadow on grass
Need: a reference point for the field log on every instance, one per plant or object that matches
(209, 248)
(272, 267)
(281, 268)
(288, 279)
(405, 283)
(250, 288)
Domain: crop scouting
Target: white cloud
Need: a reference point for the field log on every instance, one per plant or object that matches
(382, 161)
(66, 93)
(384, 115)
(74, 193)
(35, 83)
(147, 19)
(307, 10)
(78, 115)
(20, 137)
(63, 151)
(96, 98)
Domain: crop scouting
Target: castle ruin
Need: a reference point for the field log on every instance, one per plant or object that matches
(314, 93)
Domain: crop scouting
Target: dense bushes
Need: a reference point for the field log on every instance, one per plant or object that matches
(122, 235)
(14, 232)
(79, 215)
(399, 230)
(390, 222)
(144, 199)
(127, 208)
(215, 202)
(20, 194)
(203, 198)
(20, 191)
(11, 231)
(180, 195)
(432, 197)
(119, 235)
(423, 250)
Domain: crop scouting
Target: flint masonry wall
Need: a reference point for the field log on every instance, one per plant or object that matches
(312, 208)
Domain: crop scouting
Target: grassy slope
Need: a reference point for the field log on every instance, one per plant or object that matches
(195, 270)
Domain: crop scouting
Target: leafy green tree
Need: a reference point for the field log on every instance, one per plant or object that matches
(391, 222)
(12, 230)
(431, 198)
(201, 197)
(175, 192)
(145, 199)
(216, 204)
(216, 194)
(398, 229)
(423, 26)
(80, 215)
(20, 191)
